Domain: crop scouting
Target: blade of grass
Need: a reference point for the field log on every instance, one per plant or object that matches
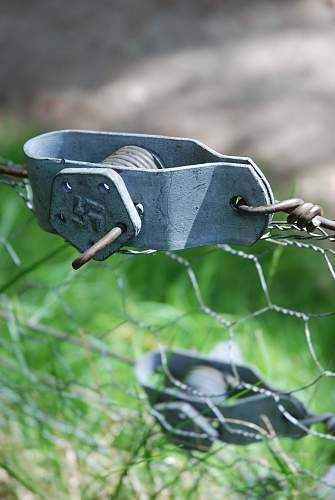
(32, 267)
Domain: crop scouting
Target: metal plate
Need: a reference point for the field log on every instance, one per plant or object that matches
(187, 204)
(87, 203)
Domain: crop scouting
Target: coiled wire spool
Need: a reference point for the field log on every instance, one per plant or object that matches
(133, 157)
(206, 381)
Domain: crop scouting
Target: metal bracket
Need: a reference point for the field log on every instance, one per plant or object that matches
(86, 203)
(186, 204)
(245, 407)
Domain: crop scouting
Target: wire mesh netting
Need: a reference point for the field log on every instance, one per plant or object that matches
(75, 423)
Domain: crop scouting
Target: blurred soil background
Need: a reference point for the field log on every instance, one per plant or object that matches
(252, 77)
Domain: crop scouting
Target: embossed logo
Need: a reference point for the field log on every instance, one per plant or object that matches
(88, 213)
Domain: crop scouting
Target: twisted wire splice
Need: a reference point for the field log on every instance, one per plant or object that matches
(305, 215)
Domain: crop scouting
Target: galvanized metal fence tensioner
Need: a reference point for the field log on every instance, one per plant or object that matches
(101, 191)
(200, 399)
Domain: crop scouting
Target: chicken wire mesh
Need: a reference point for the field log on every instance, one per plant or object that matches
(73, 420)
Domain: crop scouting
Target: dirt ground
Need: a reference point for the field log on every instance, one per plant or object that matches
(252, 77)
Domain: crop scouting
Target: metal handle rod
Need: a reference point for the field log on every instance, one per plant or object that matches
(90, 253)
(13, 171)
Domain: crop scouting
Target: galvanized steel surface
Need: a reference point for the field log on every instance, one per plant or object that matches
(186, 204)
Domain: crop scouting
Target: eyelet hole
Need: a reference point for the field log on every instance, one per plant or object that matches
(61, 218)
(103, 187)
(236, 202)
(67, 188)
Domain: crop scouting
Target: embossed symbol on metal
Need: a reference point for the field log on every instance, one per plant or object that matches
(85, 203)
(88, 213)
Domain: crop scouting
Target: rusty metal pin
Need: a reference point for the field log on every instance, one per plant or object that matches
(14, 171)
(90, 253)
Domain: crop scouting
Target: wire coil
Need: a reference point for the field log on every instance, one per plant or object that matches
(133, 157)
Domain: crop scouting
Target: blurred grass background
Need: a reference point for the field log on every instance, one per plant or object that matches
(73, 422)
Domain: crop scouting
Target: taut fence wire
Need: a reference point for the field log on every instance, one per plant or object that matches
(71, 407)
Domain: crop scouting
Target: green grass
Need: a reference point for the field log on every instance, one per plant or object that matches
(73, 421)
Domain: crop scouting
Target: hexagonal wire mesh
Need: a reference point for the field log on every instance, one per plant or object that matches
(70, 405)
